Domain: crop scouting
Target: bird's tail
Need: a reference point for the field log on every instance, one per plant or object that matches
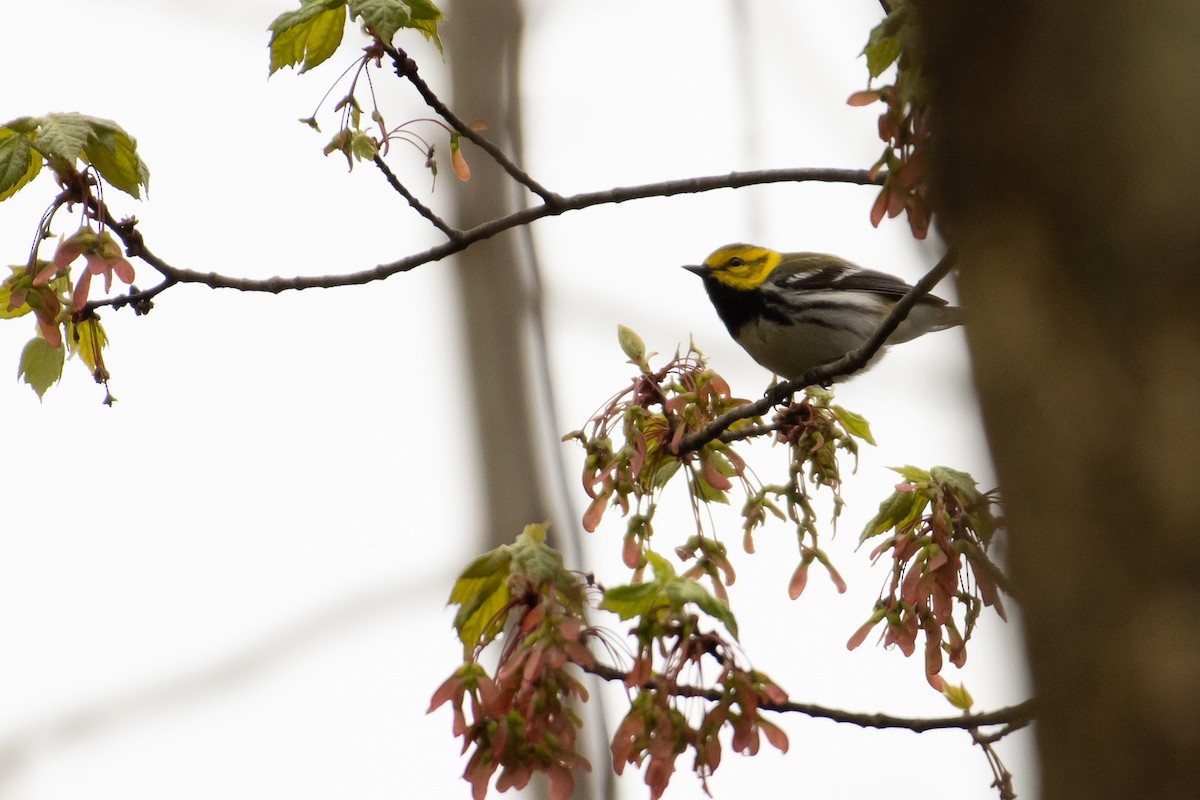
(926, 318)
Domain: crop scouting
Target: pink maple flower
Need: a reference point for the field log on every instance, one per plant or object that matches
(103, 255)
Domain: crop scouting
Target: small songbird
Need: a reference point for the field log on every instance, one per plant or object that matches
(793, 311)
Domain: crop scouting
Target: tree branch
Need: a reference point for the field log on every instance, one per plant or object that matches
(425, 211)
(1012, 717)
(1002, 779)
(823, 373)
(132, 238)
(407, 68)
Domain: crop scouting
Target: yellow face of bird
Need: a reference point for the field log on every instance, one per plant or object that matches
(742, 266)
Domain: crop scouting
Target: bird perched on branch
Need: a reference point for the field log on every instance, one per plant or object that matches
(794, 311)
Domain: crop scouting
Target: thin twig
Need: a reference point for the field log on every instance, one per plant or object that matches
(1011, 727)
(823, 373)
(1002, 779)
(1022, 712)
(452, 233)
(407, 68)
(132, 238)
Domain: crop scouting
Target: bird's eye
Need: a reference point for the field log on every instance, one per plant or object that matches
(734, 262)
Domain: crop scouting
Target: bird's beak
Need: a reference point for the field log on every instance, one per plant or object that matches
(699, 269)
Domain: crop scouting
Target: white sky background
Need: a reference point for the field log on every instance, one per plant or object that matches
(232, 583)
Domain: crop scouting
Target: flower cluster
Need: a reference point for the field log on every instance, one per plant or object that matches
(658, 728)
(904, 123)
(656, 731)
(633, 446)
(521, 719)
(651, 417)
(103, 255)
(686, 676)
(941, 529)
(817, 432)
(44, 288)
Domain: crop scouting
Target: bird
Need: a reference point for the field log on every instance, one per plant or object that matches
(795, 311)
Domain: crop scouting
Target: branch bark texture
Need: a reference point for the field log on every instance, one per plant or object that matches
(458, 240)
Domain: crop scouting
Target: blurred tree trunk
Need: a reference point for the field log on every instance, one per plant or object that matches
(495, 291)
(497, 296)
(1069, 173)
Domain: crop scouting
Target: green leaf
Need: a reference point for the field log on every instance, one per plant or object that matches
(428, 29)
(308, 35)
(88, 340)
(958, 696)
(534, 533)
(631, 600)
(19, 162)
(363, 147)
(683, 590)
(961, 482)
(535, 559)
(22, 124)
(41, 364)
(664, 472)
(385, 17)
(881, 52)
(855, 424)
(479, 621)
(898, 510)
(64, 139)
(19, 279)
(479, 573)
(63, 135)
(667, 589)
(113, 153)
(662, 568)
(482, 590)
(705, 492)
(818, 395)
(481, 593)
(883, 45)
(912, 474)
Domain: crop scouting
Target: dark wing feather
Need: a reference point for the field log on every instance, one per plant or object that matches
(844, 276)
